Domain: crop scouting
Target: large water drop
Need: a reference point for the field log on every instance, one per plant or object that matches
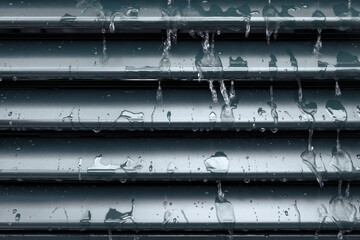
(217, 163)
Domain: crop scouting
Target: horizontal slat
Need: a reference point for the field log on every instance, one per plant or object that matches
(137, 59)
(248, 159)
(116, 236)
(182, 207)
(182, 109)
(179, 14)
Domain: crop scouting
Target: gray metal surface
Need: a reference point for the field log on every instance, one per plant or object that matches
(137, 59)
(116, 236)
(195, 14)
(175, 159)
(171, 207)
(82, 160)
(181, 109)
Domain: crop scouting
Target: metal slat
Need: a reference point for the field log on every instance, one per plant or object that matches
(182, 109)
(182, 207)
(173, 159)
(330, 14)
(115, 236)
(136, 59)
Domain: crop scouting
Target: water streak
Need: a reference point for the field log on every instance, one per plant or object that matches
(273, 107)
(341, 159)
(309, 158)
(159, 94)
(224, 208)
(105, 57)
(318, 44)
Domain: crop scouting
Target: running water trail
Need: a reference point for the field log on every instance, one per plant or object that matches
(309, 158)
(247, 28)
(213, 91)
(159, 94)
(273, 107)
(341, 159)
(105, 57)
(171, 37)
(232, 91)
(224, 208)
(110, 234)
(349, 5)
(300, 93)
(165, 65)
(337, 88)
(269, 12)
(318, 44)
(208, 61)
(224, 93)
(338, 140)
(206, 49)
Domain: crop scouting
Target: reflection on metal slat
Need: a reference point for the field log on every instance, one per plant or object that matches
(82, 159)
(182, 109)
(135, 59)
(116, 236)
(171, 207)
(228, 14)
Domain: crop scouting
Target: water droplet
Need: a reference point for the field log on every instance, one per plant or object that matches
(85, 217)
(341, 160)
(17, 217)
(132, 166)
(131, 116)
(112, 27)
(337, 88)
(340, 236)
(261, 111)
(168, 115)
(217, 163)
(100, 167)
(343, 211)
(151, 167)
(79, 168)
(212, 117)
(336, 110)
(115, 217)
(171, 168)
